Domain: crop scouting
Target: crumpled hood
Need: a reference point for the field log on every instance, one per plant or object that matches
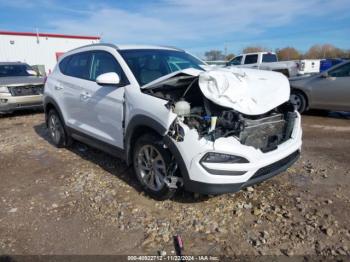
(21, 80)
(249, 91)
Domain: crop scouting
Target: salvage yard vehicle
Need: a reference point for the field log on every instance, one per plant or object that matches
(329, 90)
(20, 87)
(269, 61)
(210, 131)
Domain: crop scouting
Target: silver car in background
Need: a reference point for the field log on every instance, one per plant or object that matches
(20, 87)
(329, 90)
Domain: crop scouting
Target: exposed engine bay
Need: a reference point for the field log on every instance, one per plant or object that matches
(212, 121)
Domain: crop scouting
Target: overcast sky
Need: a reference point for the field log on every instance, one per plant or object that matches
(195, 25)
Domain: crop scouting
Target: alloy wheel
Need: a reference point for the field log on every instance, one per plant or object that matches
(296, 100)
(55, 128)
(151, 167)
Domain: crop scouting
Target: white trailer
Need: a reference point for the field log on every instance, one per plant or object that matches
(39, 48)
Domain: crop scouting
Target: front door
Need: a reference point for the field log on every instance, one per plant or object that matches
(103, 104)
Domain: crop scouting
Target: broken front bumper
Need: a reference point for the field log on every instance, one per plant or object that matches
(214, 178)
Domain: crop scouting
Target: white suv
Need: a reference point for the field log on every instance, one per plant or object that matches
(179, 122)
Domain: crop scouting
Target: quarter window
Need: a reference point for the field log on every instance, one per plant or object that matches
(63, 64)
(251, 59)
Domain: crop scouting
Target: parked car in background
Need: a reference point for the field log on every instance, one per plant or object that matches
(329, 90)
(20, 87)
(328, 63)
(269, 61)
(211, 131)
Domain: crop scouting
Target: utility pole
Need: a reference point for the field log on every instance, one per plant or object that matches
(37, 35)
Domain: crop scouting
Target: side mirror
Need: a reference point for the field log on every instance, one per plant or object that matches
(110, 78)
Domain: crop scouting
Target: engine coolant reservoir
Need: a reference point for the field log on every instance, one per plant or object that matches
(182, 108)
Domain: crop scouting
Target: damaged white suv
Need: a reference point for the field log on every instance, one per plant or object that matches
(179, 122)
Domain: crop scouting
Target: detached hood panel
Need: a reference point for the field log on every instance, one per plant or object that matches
(249, 91)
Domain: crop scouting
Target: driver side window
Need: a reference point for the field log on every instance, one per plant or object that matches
(342, 71)
(104, 62)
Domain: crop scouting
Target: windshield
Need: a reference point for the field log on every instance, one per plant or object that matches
(150, 64)
(14, 70)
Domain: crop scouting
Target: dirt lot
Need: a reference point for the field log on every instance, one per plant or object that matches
(82, 201)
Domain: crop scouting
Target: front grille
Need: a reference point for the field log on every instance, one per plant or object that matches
(27, 90)
(275, 166)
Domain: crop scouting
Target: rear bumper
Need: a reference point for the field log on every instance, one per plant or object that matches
(260, 176)
(10, 103)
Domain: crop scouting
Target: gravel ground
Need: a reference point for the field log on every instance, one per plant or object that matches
(82, 201)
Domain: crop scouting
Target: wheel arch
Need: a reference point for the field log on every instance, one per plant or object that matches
(50, 103)
(138, 126)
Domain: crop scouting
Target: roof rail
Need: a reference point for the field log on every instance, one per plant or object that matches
(97, 44)
(172, 47)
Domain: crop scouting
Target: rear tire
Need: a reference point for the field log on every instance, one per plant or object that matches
(56, 129)
(298, 99)
(151, 162)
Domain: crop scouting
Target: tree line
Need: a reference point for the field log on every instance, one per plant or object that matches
(287, 53)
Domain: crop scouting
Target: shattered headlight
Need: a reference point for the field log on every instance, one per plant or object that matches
(4, 89)
(212, 157)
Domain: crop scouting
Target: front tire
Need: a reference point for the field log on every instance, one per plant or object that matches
(298, 99)
(151, 162)
(56, 129)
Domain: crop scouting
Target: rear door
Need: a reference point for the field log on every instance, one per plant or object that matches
(75, 71)
(333, 92)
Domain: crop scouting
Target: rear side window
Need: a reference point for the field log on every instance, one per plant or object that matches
(63, 64)
(104, 62)
(268, 58)
(251, 59)
(79, 65)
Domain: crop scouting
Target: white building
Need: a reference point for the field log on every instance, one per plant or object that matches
(39, 48)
